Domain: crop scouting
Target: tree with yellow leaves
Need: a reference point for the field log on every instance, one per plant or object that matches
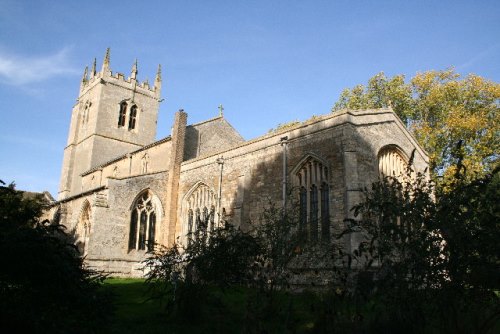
(453, 117)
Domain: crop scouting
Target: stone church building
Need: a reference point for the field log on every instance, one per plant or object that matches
(121, 190)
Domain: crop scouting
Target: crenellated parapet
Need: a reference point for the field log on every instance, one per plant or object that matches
(106, 75)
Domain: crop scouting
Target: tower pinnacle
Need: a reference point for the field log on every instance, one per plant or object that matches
(133, 74)
(92, 71)
(158, 74)
(158, 79)
(105, 63)
(85, 77)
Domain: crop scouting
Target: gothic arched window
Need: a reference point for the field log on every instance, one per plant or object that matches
(133, 116)
(82, 230)
(199, 219)
(391, 162)
(314, 199)
(123, 114)
(143, 222)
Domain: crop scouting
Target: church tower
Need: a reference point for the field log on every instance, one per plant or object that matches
(113, 115)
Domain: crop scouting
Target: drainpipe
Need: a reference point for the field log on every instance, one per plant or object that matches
(284, 144)
(220, 161)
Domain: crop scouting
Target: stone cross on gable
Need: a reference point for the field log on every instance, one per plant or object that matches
(221, 109)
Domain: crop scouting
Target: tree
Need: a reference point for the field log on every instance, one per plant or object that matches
(186, 275)
(44, 285)
(192, 276)
(440, 108)
(431, 260)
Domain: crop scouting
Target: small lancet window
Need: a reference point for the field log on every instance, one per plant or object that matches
(133, 116)
(123, 114)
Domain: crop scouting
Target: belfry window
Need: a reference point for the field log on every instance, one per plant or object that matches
(199, 212)
(314, 199)
(132, 118)
(143, 223)
(123, 114)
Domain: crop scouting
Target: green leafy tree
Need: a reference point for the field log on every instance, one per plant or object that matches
(430, 259)
(440, 108)
(44, 285)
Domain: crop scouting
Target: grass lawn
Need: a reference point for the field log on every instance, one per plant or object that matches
(243, 310)
(134, 313)
(234, 311)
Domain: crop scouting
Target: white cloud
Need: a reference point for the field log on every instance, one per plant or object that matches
(19, 70)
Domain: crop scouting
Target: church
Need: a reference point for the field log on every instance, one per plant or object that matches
(121, 191)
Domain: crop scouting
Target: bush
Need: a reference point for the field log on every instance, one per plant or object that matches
(44, 285)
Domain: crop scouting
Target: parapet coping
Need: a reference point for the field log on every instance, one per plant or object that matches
(312, 121)
(82, 194)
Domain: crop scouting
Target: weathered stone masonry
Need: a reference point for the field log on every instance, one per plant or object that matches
(112, 166)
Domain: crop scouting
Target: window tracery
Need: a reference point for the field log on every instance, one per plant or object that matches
(199, 211)
(314, 199)
(391, 162)
(143, 222)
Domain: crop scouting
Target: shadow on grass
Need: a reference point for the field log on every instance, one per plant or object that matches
(237, 310)
(134, 312)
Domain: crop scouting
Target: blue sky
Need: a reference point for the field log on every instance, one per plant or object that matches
(267, 62)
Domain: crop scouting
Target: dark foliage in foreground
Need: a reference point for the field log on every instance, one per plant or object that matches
(425, 262)
(430, 262)
(44, 286)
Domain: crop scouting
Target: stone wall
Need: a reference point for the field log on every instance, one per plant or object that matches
(346, 143)
(108, 244)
